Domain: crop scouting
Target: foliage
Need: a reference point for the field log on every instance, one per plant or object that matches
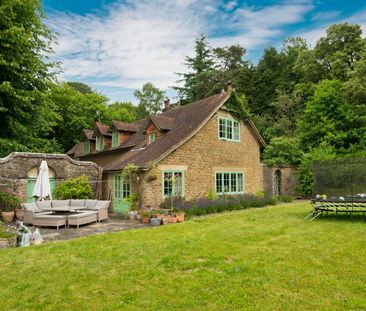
(6, 232)
(282, 151)
(74, 188)
(134, 199)
(212, 195)
(285, 198)
(24, 75)
(150, 100)
(130, 170)
(9, 201)
(80, 87)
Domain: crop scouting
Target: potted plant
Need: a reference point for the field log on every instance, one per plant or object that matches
(180, 216)
(8, 237)
(145, 217)
(8, 204)
(155, 221)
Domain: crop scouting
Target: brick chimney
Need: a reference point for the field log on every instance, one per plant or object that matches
(229, 86)
(166, 105)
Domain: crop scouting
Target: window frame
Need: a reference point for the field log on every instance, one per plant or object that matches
(99, 140)
(240, 188)
(86, 143)
(223, 127)
(115, 139)
(173, 171)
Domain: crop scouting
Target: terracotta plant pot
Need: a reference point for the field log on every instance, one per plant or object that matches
(145, 220)
(19, 213)
(8, 216)
(165, 220)
(172, 220)
(180, 217)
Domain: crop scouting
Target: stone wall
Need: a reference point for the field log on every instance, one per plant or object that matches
(289, 181)
(15, 168)
(200, 157)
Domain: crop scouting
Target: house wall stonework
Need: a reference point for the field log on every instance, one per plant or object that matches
(15, 167)
(203, 155)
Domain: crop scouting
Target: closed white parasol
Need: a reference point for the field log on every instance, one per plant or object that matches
(42, 189)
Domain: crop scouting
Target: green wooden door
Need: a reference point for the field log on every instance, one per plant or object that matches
(121, 194)
(31, 182)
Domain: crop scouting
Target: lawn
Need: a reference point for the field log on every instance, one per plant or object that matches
(256, 259)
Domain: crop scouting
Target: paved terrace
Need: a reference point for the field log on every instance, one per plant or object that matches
(114, 224)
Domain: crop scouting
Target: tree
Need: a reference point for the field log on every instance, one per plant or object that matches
(150, 100)
(282, 151)
(328, 117)
(76, 111)
(120, 111)
(24, 77)
(81, 87)
(196, 82)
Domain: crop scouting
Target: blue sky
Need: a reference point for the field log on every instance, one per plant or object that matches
(117, 45)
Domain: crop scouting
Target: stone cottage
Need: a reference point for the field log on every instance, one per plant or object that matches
(188, 151)
(19, 170)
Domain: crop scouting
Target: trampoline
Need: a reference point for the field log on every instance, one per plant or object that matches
(339, 187)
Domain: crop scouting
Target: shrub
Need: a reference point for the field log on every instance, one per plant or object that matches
(285, 198)
(270, 200)
(74, 188)
(8, 202)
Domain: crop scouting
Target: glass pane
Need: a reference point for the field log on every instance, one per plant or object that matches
(229, 129)
(178, 184)
(226, 183)
(233, 183)
(236, 130)
(222, 128)
(218, 183)
(240, 182)
(168, 183)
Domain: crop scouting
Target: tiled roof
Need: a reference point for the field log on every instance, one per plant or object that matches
(88, 134)
(124, 126)
(179, 124)
(102, 129)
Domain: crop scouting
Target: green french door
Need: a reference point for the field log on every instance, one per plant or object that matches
(121, 194)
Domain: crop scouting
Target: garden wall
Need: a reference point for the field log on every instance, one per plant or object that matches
(288, 181)
(17, 169)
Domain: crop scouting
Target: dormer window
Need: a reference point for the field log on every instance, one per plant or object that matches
(229, 129)
(99, 143)
(115, 139)
(152, 137)
(86, 146)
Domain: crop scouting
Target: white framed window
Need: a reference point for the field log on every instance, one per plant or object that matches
(229, 182)
(229, 129)
(173, 183)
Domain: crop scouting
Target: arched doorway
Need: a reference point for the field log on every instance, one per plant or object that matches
(277, 182)
(31, 182)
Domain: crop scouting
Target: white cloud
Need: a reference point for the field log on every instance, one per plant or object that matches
(139, 41)
(316, 33)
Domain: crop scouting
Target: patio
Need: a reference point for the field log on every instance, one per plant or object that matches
(114, 224)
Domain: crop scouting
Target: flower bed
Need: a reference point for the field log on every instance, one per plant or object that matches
(223, 203)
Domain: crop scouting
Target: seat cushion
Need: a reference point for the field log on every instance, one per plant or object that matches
(59, 203)
(43, 205)
(90, 203)
(31, 207)
(77, 203)
(81, 215)
(103, 204)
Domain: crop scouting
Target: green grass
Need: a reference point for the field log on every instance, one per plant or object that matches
(256, 259)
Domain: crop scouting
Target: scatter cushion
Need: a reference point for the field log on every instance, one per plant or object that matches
(59, 203)
(77, 202)
(101, 204)
(43, 205)
(90, 203)
(31, 207)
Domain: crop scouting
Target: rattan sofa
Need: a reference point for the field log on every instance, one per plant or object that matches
(43, 213)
